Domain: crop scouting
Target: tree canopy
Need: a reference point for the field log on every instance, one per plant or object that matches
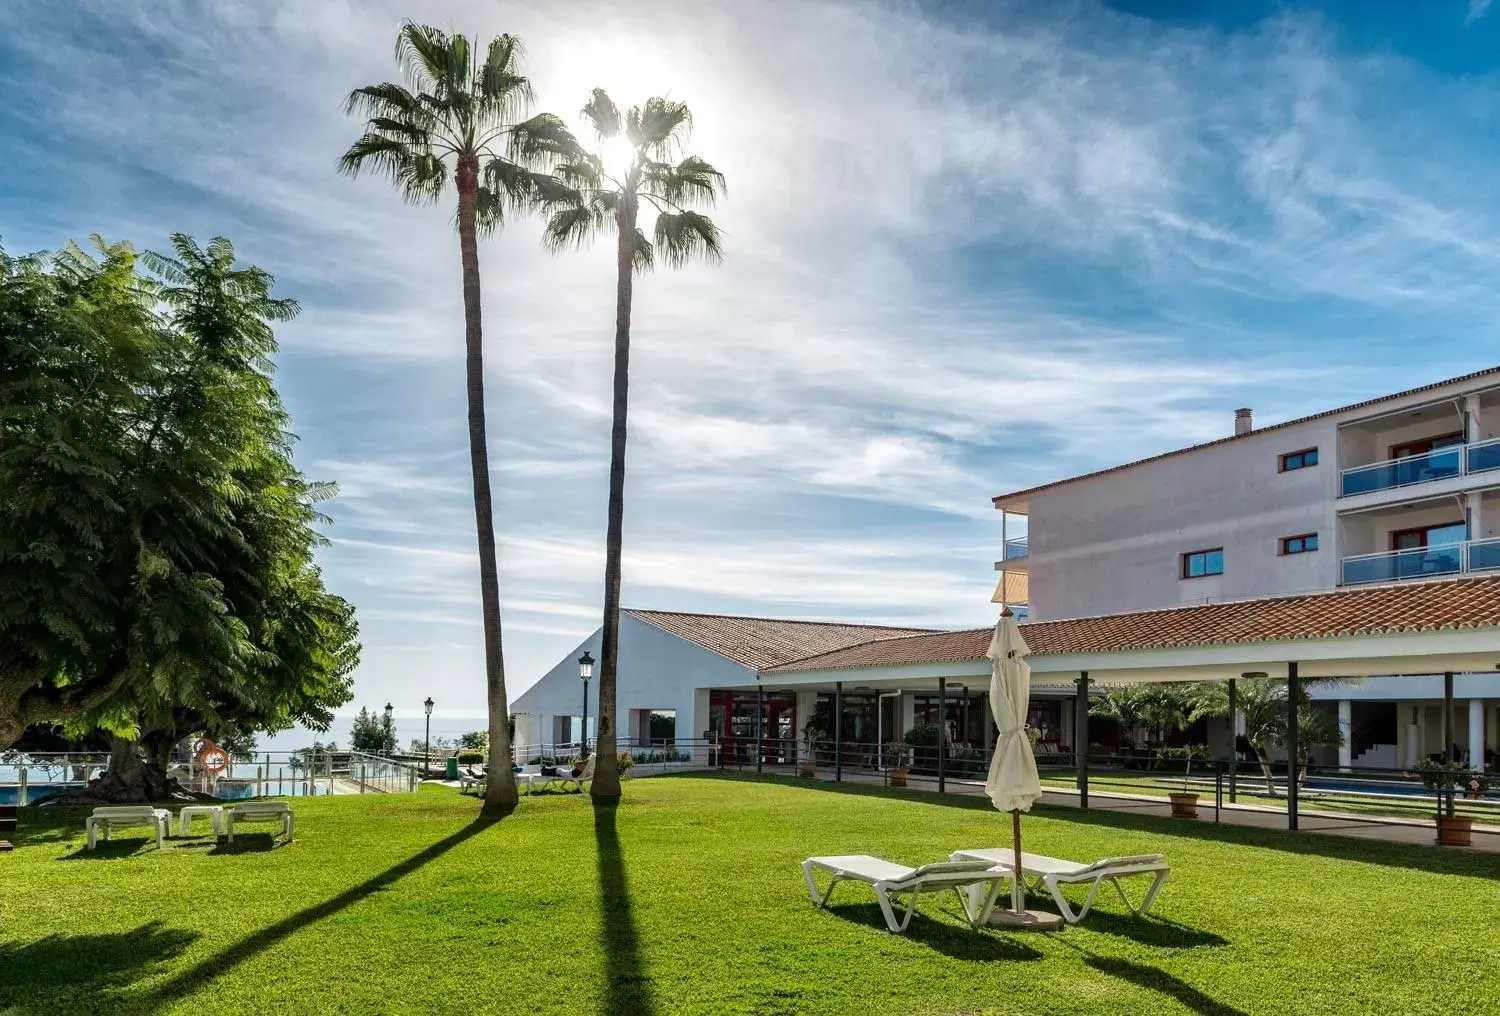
(157, 540)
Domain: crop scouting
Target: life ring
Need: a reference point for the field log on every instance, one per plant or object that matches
(212, 757)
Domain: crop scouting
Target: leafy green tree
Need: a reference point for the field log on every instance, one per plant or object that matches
(160, 539)
(372, 733)
(603, 197)
(474, 740)
(460, 113)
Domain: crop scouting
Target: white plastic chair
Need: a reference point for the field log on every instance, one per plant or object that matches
(1052, 873)
(891, 881)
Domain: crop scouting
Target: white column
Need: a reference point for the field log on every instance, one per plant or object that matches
(1476, 733)
(1346, 728)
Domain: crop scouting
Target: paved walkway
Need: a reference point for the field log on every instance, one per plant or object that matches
(1387, 829)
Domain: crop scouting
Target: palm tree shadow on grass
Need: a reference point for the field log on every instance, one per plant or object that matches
(1157, 980)
(1148, 930)
(958, 941)
(74, 973)
(200, 974)
(628, 987)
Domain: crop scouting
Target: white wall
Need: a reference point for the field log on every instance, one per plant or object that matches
(1113, 543)
(657, 670)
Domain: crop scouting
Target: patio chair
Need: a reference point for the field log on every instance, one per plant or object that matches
(471, 777)
(260, 811)
(889, 880)
(122, 816)
(1051, 874)
(566, 779)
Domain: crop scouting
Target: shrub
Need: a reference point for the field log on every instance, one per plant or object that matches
(923, 735)
(469, 758)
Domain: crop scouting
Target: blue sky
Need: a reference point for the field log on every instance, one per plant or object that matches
(972, 246)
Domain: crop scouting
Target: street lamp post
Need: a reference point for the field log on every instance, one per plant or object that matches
(427, 740)
(390, 729)
(585, 671)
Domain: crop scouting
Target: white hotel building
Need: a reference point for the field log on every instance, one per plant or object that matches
(1359, 541)
(1400, 489)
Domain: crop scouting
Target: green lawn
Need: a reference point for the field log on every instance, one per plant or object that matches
(687, 899)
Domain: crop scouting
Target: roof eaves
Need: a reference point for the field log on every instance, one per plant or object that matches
(1028, 491)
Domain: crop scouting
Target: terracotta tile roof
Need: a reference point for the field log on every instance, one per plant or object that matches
(763, 642)
(933, 647)
(1013, 495)
(1409, 607)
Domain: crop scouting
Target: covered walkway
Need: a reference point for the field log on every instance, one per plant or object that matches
(1443, 627)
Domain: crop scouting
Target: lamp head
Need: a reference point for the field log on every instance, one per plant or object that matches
(427, 705)
(585, 666)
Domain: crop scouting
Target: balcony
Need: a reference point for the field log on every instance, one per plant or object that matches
(1471, 557)
(1016, 548)
(1440, 463)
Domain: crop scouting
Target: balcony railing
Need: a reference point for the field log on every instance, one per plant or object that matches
(1016, 548)
(1466, 558)
(1454, 460)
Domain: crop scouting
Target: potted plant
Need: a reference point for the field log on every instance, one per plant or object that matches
(1449, 779)
(813, 731)
(895, 764)
(1184, 802)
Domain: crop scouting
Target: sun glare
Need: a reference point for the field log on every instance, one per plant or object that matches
(616, 153)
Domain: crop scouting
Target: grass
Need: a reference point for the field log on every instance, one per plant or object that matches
(686, 899)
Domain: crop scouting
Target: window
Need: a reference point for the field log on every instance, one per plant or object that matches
(1304, 544)
(1427, 445)
(1299, 460)
(1446, 534)
(1203, 562)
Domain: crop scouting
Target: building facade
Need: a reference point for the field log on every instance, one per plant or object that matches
(1404, 488)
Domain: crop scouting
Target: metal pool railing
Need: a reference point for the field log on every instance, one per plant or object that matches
(29, 778)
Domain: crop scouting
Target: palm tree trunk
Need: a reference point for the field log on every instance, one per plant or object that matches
(500, 795)
(606, 763)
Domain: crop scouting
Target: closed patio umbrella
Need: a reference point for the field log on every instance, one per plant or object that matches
(1013, 784)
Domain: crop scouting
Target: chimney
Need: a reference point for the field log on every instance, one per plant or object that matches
(1242, 422)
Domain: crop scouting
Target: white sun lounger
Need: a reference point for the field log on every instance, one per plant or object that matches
(1051, 874)
(122, 816)
(891, 880)
(260, 811)
(565, 779)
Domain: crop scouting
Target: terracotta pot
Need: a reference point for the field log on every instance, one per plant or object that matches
(898, 777)
(806, 769)
(1455, 832)
(1184, 805)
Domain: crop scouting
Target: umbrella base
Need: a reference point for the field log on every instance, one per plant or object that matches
(1026, 920)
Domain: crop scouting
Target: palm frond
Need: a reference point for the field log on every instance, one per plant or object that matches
(602, 114)
(573, 228)
(386, 100)
(691, 181)
(420, 174)
(504, 91)
(644, 258)
(687, 236)
(543, 140)
(584, 173)
(660, 127)
(427, 56)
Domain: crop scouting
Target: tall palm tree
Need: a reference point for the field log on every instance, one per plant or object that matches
(608, 193)
(460, 112)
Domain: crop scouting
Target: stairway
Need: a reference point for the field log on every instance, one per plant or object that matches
(1377, 756)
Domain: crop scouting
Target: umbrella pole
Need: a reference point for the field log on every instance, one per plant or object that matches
(1017, 888)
